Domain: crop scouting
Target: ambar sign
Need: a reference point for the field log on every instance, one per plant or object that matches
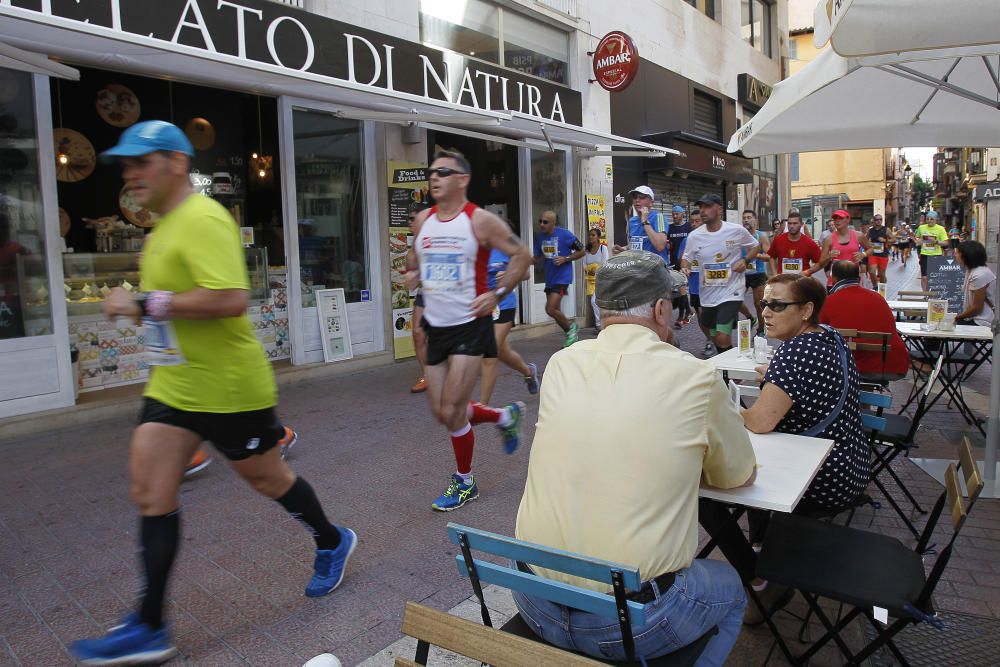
(616, 61)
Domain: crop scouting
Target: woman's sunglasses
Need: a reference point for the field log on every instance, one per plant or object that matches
(443, 172)
(778, 306)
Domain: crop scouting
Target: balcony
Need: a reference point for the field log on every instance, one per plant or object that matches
(567, 7)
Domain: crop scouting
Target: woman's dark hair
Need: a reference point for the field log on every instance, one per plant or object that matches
(973, 254)
(804, 289)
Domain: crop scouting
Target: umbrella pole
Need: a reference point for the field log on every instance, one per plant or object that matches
(993, 420)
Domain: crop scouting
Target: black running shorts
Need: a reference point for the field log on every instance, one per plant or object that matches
(474, 339)
(237, 435)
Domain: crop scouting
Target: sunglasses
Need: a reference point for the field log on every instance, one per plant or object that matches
(778, 306)
(543, 221)
(443, 172)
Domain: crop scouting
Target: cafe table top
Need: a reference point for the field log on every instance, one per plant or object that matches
(735, 365)
(961, 332)
(786, 466)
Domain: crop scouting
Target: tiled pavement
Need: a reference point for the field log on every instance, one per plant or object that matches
(67, 530)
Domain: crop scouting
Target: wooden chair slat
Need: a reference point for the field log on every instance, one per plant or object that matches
(545, 557)
(478, 642)
(954, 497)
(876, 399)
(403, 662)
(973, 481)
(564, 594)
(872, 422)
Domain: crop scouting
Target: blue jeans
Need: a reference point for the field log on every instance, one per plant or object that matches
(707, 594)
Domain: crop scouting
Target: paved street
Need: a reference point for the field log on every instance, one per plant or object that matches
(68, 566)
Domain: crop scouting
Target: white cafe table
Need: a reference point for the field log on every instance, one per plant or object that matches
(968, 332)
(734, 365)
(786, 464)
(911, 307)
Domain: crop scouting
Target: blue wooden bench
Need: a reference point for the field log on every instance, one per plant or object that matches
(622, 579)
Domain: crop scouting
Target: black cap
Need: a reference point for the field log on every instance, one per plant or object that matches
(633, 278)
(710, 199)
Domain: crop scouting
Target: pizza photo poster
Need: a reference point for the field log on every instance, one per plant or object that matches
(407, 185)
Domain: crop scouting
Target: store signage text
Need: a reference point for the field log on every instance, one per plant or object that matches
(752, 92)
(986, 191)
(616, 61)
(291, 38)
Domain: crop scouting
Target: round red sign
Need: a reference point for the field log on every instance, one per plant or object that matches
(616, 61)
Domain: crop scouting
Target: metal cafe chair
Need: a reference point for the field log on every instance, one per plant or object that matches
(878, 576)
(898, 436)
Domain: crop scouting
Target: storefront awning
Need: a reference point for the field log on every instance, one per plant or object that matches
(28, 61)
(586, 142)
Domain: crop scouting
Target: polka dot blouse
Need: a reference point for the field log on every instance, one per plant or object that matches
(809, 370)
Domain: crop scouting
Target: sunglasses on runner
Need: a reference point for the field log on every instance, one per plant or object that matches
(778, 306)
(443, 172)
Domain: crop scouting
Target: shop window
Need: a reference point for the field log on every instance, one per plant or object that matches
(25, 308)
(495, 34)
(548, 193)
(330, 203)
(471, 28)
(706, 121)
(795, 166)
(756, 24)
(706, 7)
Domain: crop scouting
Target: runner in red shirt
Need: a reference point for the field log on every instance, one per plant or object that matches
(793, 251)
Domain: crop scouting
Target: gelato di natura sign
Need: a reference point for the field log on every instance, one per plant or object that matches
(290, 38)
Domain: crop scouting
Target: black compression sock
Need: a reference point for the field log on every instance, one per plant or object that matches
(301, 502)
(159, 537)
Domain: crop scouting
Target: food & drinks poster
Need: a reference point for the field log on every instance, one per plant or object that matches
(407, 184)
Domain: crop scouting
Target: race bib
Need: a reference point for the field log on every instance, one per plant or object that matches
(442, 271)
(790, 265)
(550, 249)
(717, 275)
(834, 253)
(878, 247)
(635, 242)
(930, 241)
(162, 348)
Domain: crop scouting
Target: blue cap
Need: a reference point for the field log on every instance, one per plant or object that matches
(678, 208)
(932, 215)
(148, 137)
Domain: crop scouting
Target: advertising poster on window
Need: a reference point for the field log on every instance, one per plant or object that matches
(407, 185)
(597, 215)
(333, 326)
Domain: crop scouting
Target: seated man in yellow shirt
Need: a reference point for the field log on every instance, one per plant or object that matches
(609, 478)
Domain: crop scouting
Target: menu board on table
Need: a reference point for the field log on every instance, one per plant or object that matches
(946, 278)
(407, 185)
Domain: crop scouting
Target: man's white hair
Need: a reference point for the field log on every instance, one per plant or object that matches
(637, 312)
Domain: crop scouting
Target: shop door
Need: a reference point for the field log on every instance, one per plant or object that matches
(549, 192)
(34, 350)
(327, 237)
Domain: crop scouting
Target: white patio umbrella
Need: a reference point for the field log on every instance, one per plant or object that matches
(916, 73)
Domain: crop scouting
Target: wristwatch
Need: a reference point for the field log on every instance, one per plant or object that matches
(499, 292)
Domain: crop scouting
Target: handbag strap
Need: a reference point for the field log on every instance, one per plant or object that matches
(822, 425)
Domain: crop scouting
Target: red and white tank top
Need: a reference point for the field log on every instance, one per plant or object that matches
(453, 267)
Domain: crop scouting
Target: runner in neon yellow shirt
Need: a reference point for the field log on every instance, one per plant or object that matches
(210, 381)
(932, 237)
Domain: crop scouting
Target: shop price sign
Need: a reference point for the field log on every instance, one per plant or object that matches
(616, 61)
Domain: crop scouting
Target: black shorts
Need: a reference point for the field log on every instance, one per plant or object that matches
(561, 290)
(418, 300)
(695, 301)
(237, 435)
(923, 264)
(506, 316)
(755, 280)
(721, 318)
(473, 339)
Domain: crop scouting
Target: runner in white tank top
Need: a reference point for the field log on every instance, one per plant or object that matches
(453, 267)
(449, 261)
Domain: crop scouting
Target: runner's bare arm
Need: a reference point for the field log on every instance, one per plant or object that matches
(199, 303)
(493, 232)
(824, 256)
(412, 262)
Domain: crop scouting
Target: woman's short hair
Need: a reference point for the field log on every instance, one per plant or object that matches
(973, 254)
(804, 289)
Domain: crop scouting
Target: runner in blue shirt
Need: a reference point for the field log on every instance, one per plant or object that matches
(693, 284)
(647, 230)
(503, 322)
(558, 248)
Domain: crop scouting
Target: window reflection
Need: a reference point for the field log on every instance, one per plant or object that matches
(330, 201)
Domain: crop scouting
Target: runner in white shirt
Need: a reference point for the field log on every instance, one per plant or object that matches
(717, 247)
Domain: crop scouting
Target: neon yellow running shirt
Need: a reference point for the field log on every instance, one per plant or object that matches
(198, 245)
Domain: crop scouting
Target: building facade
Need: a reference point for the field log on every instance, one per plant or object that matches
(313, 121)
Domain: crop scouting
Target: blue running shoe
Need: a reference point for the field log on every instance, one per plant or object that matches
(457, 494)
(329, 566)
(532, 380)
(512, 432)
(131, 643)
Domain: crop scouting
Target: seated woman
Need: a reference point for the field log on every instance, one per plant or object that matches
(977, 306)
(810, 388)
